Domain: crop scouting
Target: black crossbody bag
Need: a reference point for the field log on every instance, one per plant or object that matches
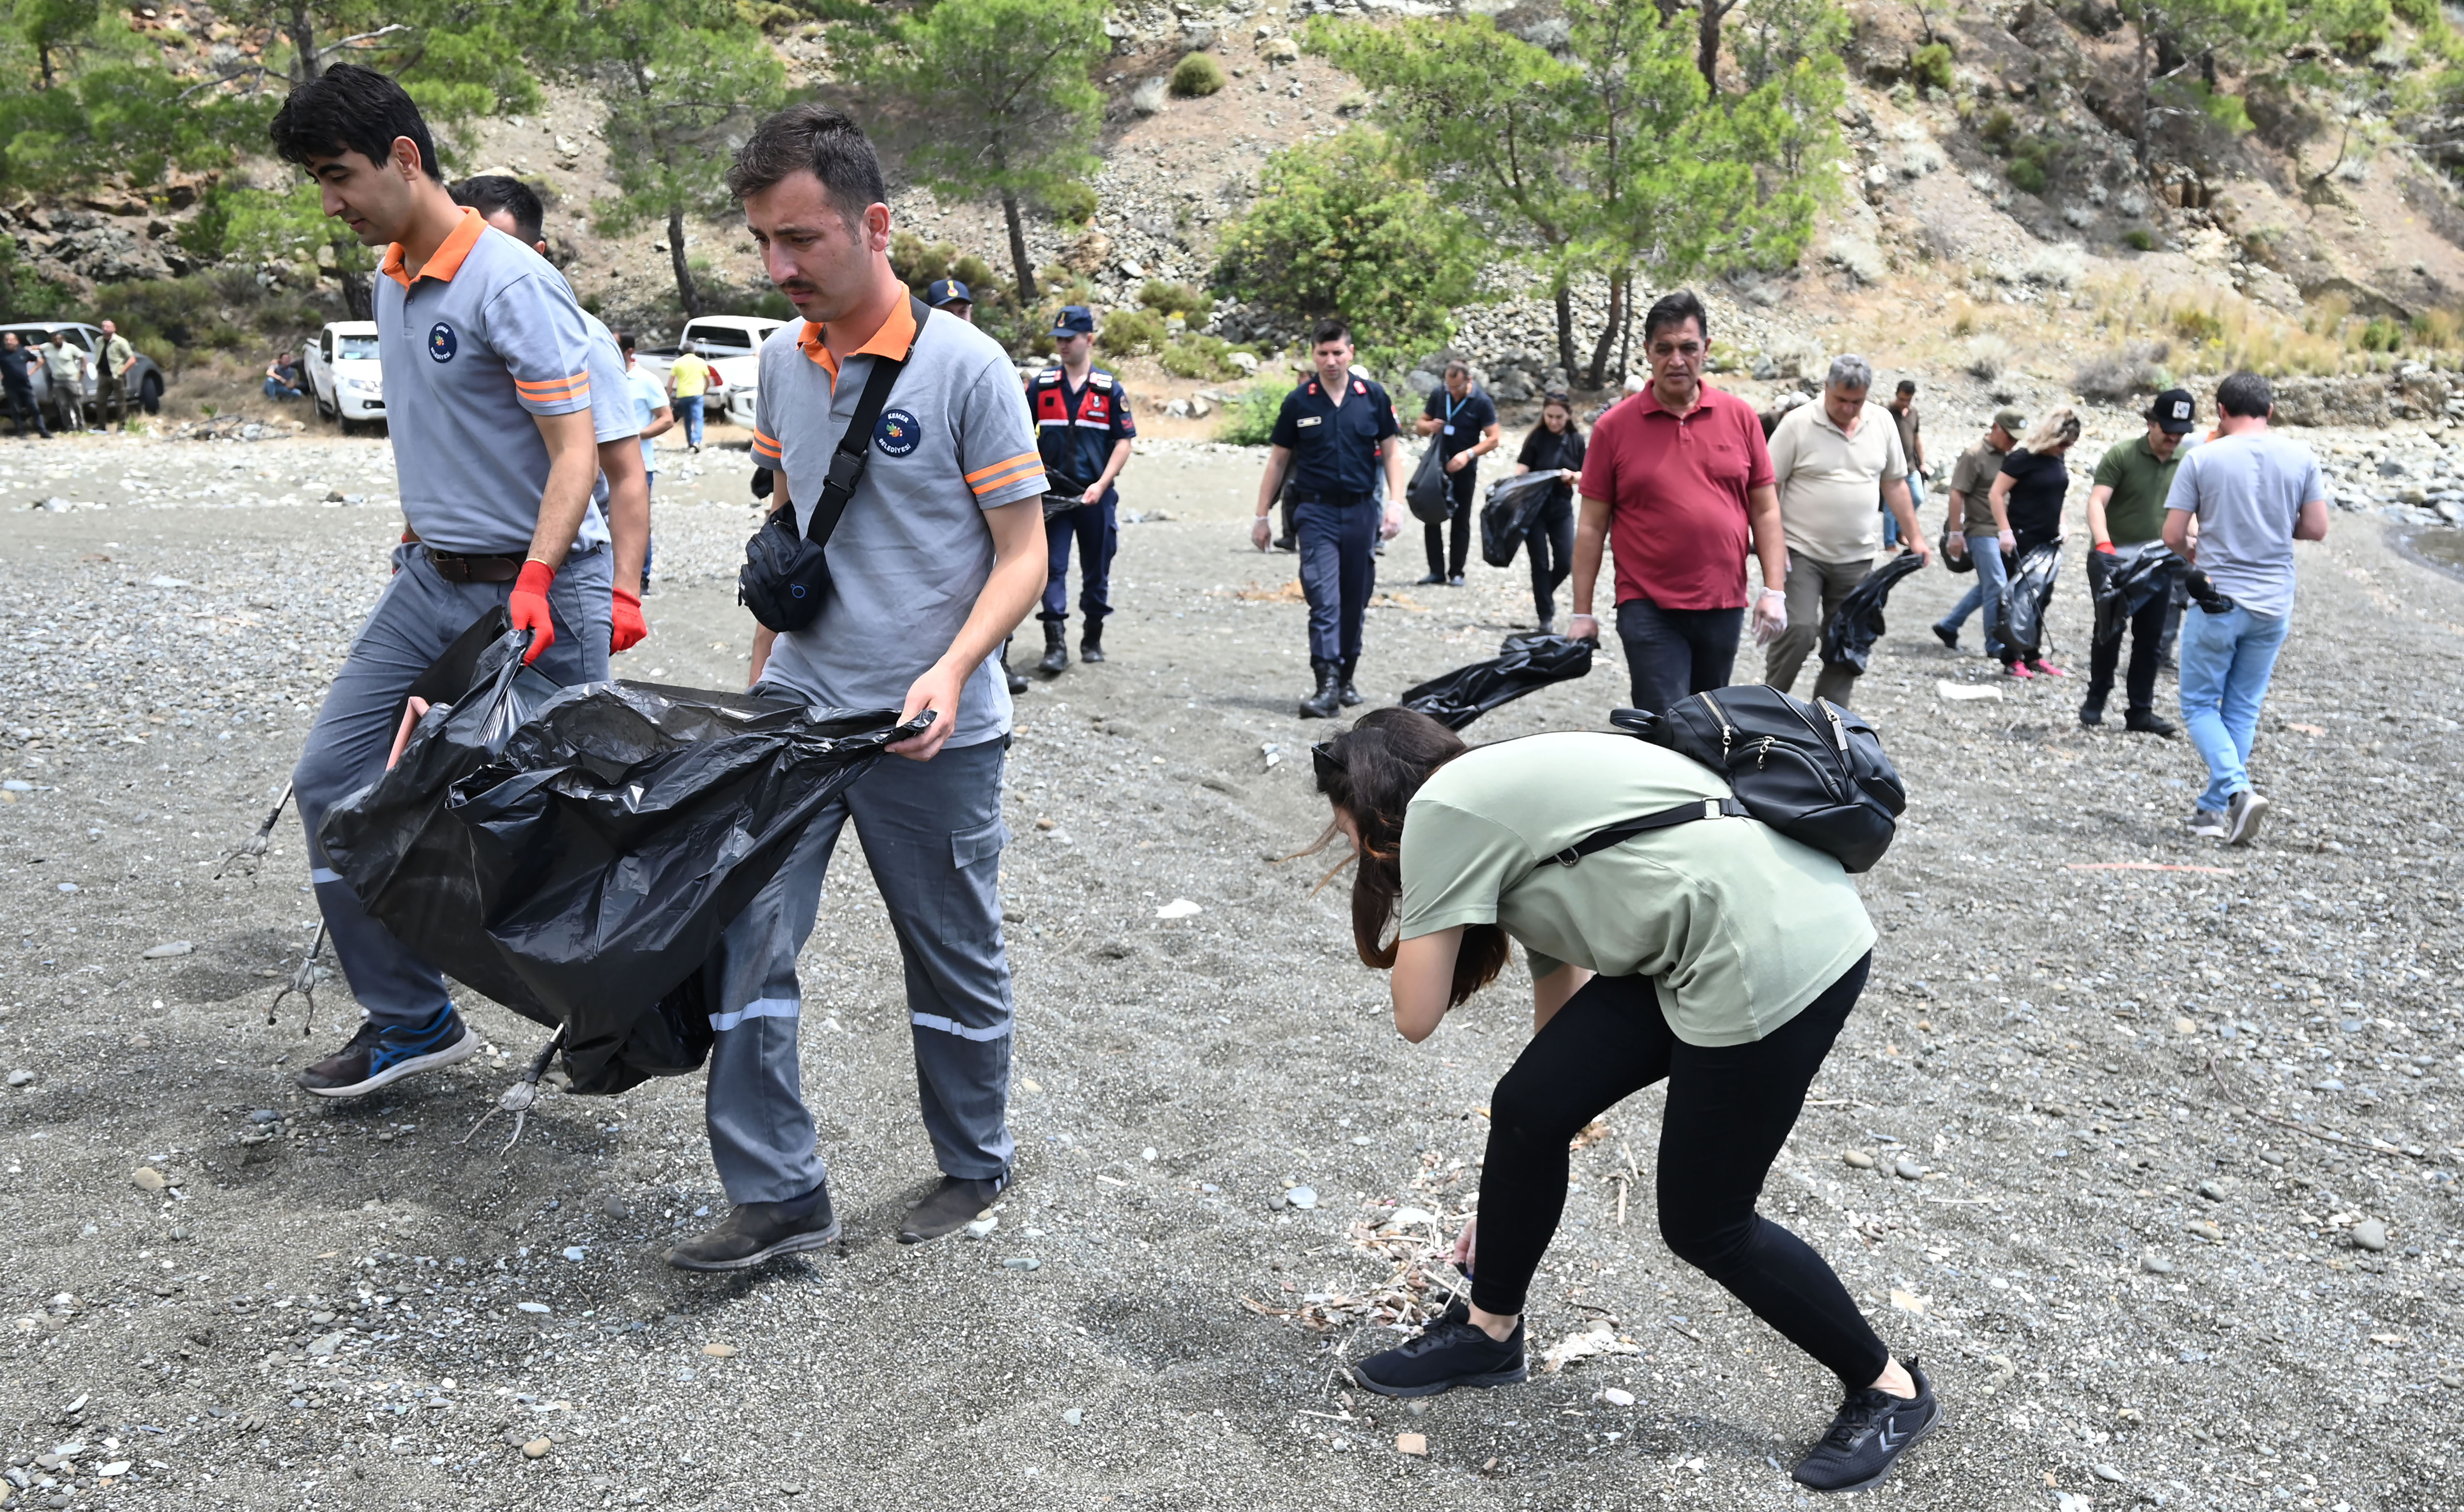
(785, 577)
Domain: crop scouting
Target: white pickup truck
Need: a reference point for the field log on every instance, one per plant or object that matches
(344, 375)
(732, 345)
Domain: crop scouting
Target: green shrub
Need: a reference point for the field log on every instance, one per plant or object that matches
(2027, 175)
(1207, 358)
(1930, 67)
(2197, 326)
(1249, 419)
(1998, 129)
(2382, 335)
(1071, 204)
(1125, 333)
(979, 279)
(918, 263)
(1197, 73)
(1172, 298)
(2139, 240)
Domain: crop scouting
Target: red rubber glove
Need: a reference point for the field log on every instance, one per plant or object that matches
(2106, 547)
(528, 607)
(630, 626)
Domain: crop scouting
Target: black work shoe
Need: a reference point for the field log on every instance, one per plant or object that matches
(1868, 1436)
(1430, 579)
(378, 1057)
(757, 1231)
(2140, 721)
(948, 1208)
(1947, 636)
(1349, 696)
(1018, 683)
(2092, 712)
(1455, 582)
(1090, 644)
(1450, 1352)
(1322, 703)
(1286, 543)
(1056, 651)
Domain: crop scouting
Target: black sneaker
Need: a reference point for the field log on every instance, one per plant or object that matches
(2092, 712)
(1429, 580)
(760, 1231)
(2142, 721)
(1947, 636)
(1455, 582)
(1872, 1430)
(378, 1057)
(1450, 1352)
(950, 1207)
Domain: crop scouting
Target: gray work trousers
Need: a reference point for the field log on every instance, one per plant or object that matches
(416, 617)
(931, 832)
(1814, 592)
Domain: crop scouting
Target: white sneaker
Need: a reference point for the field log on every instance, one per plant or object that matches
(2207, 823)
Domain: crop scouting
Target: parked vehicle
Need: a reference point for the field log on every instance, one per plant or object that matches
(146, 380)
(732, 345)
(343, 376)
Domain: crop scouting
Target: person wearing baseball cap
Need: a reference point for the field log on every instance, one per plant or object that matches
(2126, 507)
(1970, 530)
(953, 296)
(1083, 429)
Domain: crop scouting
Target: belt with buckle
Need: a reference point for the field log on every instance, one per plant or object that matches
(455, 567)
(1319, 497)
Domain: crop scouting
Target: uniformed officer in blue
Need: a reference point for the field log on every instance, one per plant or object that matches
(487, 385)
(1083, 429)
(1334, 434)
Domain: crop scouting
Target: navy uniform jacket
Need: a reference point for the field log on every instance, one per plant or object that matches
(1335, 448)
(1076, 432)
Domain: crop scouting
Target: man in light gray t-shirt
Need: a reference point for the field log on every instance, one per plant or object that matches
(2251, 496)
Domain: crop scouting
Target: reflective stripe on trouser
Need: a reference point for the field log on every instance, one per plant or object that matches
(1338, 573)
(933, 835)
(416, 617)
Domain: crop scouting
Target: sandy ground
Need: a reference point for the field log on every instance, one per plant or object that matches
(2087, 1088)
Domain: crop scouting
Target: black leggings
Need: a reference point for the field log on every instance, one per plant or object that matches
(1550, 543)
(1728, 1110)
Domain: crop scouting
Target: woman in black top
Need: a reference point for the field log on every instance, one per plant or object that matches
(2028, 506)
(1554, 446)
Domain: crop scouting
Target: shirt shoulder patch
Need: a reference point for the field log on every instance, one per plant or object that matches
(1360, 387)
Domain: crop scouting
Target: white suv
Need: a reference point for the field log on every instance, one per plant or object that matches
(344, 374)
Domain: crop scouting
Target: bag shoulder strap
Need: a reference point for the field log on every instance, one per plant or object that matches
(1666, 819)
(855, 443)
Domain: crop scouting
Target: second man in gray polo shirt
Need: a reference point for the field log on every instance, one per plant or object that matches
(939, 556)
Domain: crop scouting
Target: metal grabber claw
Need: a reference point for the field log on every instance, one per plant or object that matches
(253, 849)
(303, 981)
(517, 1098)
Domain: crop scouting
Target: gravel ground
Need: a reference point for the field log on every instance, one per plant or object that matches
(2142, 1146)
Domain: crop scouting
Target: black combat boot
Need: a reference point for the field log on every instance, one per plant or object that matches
(1322, 703)
(1090, 644)
(1016, 680)
(1056, 649)
(1350, 696)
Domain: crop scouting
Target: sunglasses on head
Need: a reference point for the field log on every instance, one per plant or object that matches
(1324, 761)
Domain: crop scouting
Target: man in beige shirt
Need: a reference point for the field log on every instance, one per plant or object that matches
(1832, 460)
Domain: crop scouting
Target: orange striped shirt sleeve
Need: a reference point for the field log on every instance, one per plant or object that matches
(1002, 474)
(765, 447)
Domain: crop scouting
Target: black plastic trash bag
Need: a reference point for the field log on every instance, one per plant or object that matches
(1430, 494)
(1527, 661)
(1513, 504)
(2025, 598)
(1849, 638)
(581, 854)
(2126, 579)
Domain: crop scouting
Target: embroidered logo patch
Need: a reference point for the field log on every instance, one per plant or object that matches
(898, 433)
(442, 342)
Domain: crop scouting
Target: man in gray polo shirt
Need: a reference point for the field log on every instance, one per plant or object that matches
(939, 556)
(485, 364)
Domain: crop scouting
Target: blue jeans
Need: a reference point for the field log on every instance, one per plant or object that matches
(1891, 521)
(2227, 660)
(275, 388)
(1986, 551)
(1338, 574)
(1096, 528)
(688, 407)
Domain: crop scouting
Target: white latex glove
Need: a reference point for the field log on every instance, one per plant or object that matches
(1771, 616)
(2010, 542)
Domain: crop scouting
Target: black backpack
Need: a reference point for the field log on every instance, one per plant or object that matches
(1813, 772)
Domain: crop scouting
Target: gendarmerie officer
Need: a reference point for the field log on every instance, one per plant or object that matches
(1334, 432)
(1083, 432)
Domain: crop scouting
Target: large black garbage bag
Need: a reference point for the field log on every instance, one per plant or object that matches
(2126, 579)
(1513, 503)
(1849, 638)
(1526, 662)
(2026, 596)
(581, 854)
(1430, 494)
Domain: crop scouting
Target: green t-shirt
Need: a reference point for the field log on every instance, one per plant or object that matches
(2139, 483)
(1738, 926)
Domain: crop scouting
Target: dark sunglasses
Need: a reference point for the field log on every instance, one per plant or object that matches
(1323, 759)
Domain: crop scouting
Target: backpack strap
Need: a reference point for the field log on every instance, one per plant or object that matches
(1665, 819)
(855, 443)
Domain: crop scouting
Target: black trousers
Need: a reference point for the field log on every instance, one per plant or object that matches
(22, 408)
(1551, 545)
(1446, 560)
(1729, 1107)
(2147, 635)
(1670, 653)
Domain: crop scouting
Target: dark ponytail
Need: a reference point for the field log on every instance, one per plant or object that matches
(1371, 772)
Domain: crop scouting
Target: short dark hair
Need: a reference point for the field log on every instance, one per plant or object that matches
(350, 108)
(623, 340)
(1672, 310)
(811, 138)
(1329, 329)
(1907, 386)
(490, 192)
(2245, 396)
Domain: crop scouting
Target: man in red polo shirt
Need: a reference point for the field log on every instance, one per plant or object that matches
(1679, 480)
